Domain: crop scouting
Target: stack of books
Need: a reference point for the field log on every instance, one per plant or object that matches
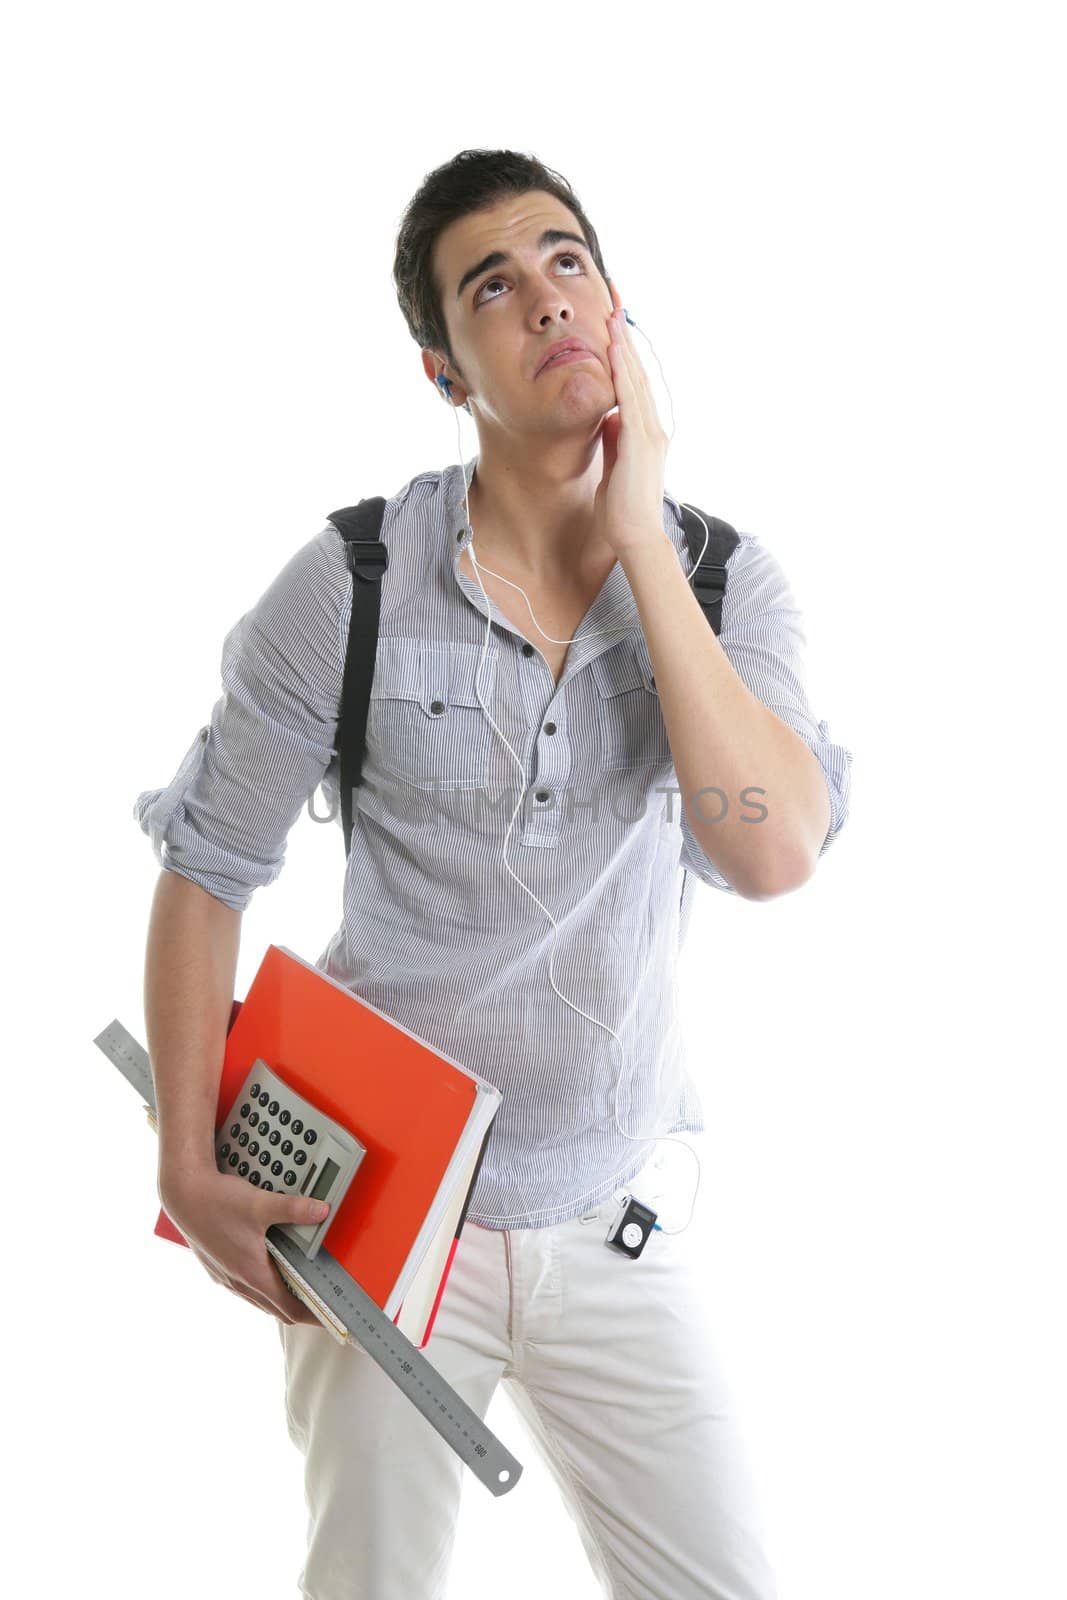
(423, 1119)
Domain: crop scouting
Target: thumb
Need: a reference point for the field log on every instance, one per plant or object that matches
(302, 1208)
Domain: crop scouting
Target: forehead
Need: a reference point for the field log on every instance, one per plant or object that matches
(511, 225)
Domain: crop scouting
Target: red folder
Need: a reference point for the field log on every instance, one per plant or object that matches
(424, 1119)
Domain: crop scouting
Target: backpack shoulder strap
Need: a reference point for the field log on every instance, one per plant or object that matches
(360, 526)
(709, 580)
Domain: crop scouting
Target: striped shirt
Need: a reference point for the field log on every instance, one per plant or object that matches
(436, 932)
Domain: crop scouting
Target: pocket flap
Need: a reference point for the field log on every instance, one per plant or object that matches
(621, 668)
(396, 670)
(468, 673)
(433, 674)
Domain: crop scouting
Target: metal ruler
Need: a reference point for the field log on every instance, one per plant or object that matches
(353, 1312)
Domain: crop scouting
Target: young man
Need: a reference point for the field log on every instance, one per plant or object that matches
(614, 695)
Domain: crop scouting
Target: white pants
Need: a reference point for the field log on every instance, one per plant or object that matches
(611, 1362)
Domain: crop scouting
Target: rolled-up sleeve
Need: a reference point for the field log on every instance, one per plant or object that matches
(763, 637)
(224, 818)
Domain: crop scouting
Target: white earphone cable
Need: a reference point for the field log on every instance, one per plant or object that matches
(635, 1138)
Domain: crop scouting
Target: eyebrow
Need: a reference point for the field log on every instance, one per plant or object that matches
(499, 258)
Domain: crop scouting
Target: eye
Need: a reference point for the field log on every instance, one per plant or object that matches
(565, 255)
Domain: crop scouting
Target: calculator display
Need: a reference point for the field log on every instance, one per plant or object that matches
(330, 1169)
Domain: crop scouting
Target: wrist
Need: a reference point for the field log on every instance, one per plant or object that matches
(176, 1168)
(653, 543)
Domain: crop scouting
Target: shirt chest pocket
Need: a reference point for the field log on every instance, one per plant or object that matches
(425, 723)
(632, 730)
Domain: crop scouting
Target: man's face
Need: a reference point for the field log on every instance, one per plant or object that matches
(503, 319)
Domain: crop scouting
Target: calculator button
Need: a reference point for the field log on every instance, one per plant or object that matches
(255, 1091)
(287, 1147)
(298, 1126)
(235, 1128)
(268, 1185)
(283, 1117)
(243, 1169)
(310, 1136)
(224, 1149)
(275, 1167)
(290, 1177)
(273, 1108)
(300, 1157)
(242, 1138)
(245, 1109)
(234, 1158)
(254, 1177)
(264, 1158)
(253, 1147)
(274, 1136)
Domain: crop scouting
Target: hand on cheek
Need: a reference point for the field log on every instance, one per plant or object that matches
(613, 318)
(629, 500)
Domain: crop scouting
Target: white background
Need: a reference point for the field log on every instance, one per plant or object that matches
(838, 227)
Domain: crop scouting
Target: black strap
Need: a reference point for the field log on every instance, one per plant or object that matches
(709, 579)
(360, 526)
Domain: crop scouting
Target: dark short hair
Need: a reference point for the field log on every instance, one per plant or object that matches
(474, 180)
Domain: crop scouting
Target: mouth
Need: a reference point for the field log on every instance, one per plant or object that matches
(566, 350)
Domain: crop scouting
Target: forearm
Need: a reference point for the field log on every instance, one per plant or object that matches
(190, 971)
(724, 740)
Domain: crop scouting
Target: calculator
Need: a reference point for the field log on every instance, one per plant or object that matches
(276, 1139)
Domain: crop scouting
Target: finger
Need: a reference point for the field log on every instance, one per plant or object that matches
(635, 365)
(254, 1298)
(618, 354)
(629, 374)
(293, 1306)
(621, 342)
(628, 361)
(274, 1310)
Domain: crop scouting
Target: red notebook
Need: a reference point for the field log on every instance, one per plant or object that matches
(424, 1119)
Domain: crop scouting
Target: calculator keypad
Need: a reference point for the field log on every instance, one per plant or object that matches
(272, 1144)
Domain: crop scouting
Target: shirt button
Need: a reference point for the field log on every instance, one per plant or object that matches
(550, 727)
(527, 648)
(543, 794)
(437, 706)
